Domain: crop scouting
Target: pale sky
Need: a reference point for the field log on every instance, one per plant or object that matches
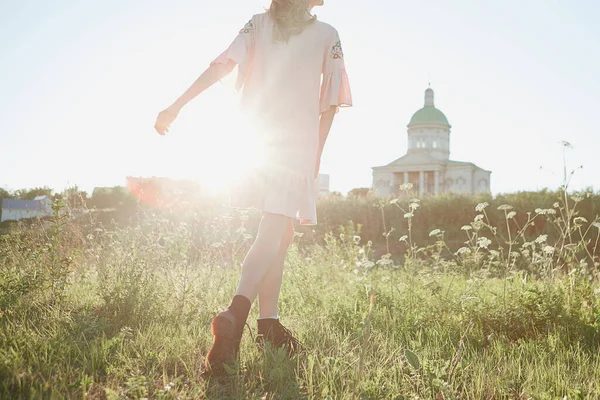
(82, 81)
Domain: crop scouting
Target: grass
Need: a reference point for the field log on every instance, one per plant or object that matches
(97, 313)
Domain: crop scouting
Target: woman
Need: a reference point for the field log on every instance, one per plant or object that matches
(291, 70)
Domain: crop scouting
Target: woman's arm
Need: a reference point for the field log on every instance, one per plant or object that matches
(324, 127)
(208, 78)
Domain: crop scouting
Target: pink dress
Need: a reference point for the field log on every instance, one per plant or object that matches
(285, 88)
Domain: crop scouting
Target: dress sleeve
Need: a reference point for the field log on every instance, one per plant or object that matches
(241, 52)
(335, 88)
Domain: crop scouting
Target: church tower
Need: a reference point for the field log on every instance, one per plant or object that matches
(429, 130)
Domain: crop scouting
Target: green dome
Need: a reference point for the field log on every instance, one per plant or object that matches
(428, 115)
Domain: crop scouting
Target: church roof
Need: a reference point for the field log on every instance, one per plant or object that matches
(428, 114)
(423, 158)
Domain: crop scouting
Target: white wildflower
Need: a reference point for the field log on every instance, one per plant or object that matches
(463, 250)
(483, 242)
(406, 187)
(511, 215)
(505, 207)
(494, 253)
(408, 215)
(434, 232)
(394, 201)
(466, 227)
(596, 224)
(481, 206)
(403, 238)
(413, 206)
(548, 250)
(579, 220)
(356, 239)
(556, 205)
(478, 217)
(541, 239)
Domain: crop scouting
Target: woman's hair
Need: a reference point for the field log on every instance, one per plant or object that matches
(290, 17)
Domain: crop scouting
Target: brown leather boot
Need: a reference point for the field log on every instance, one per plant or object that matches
(227, 334)
(272, 331)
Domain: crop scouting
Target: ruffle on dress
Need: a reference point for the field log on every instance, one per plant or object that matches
(335, 90)
(278, 190)
(240, 53)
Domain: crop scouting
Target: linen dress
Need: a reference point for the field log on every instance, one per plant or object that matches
(285, 87)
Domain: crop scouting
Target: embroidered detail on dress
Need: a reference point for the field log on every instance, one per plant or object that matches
(336, 50)
(247, 28)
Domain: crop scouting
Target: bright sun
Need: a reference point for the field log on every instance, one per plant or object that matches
(218, 159)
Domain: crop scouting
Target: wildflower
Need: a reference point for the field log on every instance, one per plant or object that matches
(505, 207)
(483, 242)
(406, 187)
(481, 206)
(394, 201)
(403, 238)
(596, 224)
(541, 239)
(511, 215)
(434, 232)
(577, 199)
(408, 215)
(463, 250)
(477, 225)
(545, 211)
(556, 205)
(548, 250)
(356, 239)
(466, 227)
(368, 264)
(494, 253)
(413, 206)
(579, 220)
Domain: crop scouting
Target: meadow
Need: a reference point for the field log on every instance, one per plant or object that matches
(439, 298)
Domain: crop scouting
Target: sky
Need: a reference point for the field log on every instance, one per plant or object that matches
(83, 81)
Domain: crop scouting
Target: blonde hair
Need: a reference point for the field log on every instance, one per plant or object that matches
(290, 17)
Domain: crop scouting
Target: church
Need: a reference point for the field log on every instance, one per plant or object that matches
(427, 163)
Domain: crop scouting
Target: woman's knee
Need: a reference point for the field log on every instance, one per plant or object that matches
(274, 229)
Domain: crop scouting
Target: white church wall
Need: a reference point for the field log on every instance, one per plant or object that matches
(482, 181)
(384, 183)
(458, 180)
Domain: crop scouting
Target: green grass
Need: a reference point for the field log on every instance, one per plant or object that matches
(87, 312)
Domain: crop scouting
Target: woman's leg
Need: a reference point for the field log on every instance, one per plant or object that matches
(263, 254)
(228, 326)
(268, 296)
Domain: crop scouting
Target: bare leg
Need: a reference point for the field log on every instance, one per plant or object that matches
(262, 254)
(268, 296)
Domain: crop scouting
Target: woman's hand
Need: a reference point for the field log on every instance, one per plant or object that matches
(165, 119)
